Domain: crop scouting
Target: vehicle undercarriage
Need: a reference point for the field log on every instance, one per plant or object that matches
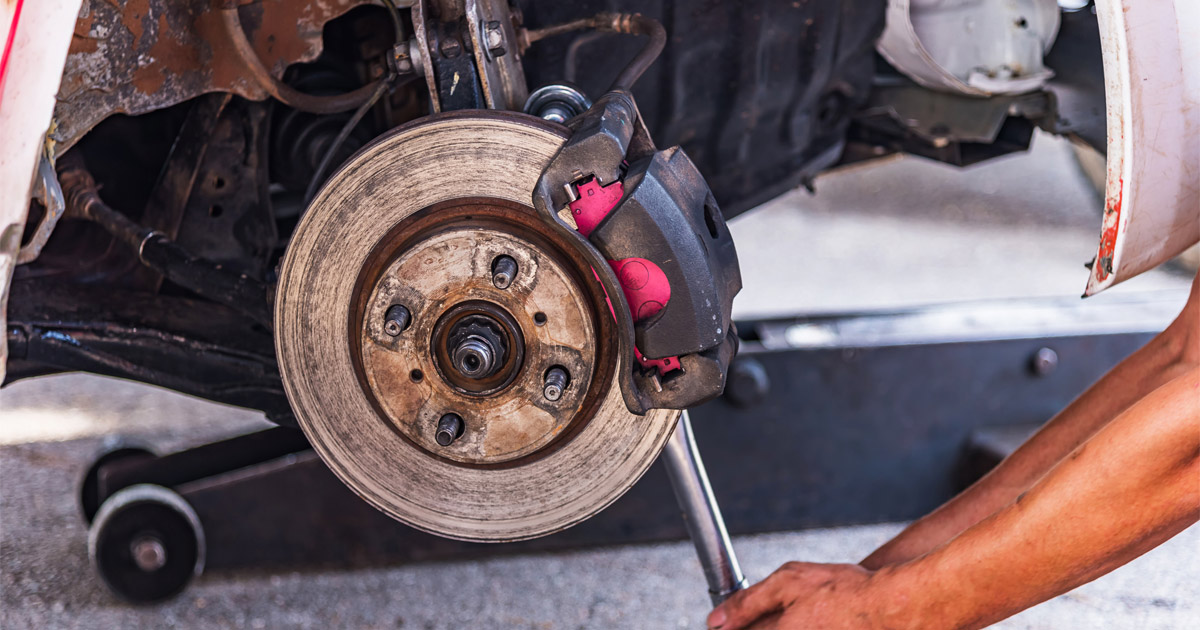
(476, 251)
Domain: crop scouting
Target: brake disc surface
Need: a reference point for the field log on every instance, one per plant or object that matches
(419, 219)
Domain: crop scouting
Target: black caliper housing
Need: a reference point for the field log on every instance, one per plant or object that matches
(668, 216)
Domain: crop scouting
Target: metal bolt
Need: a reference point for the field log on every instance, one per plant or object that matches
(407, 58)
(1044, 362)
(557, 103)
(449, 428)
(504, 270)
(557, 113)
(396, 319)
(450, 47)
(747, 383)
(556, 382)
(148, 553)
(402, 57)
(493, 36)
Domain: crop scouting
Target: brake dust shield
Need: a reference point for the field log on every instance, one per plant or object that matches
(419, 219)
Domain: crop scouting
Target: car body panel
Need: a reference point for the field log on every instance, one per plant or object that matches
(35, 38)
(1152, 94)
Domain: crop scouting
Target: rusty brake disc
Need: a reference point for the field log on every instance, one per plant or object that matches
(450, 358)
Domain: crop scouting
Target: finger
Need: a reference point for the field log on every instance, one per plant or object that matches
(770, 621)
(745, 607)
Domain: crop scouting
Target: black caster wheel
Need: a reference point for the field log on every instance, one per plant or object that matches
(89, 487)
(146, 543)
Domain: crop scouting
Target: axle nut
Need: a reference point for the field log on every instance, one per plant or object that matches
(148, 554)
(477, 347)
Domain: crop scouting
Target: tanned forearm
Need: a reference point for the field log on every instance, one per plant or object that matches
(1168, 355)
(1133, 485)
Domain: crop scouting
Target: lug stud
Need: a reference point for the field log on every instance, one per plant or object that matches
(504, 270)
(396, 319)
(556, 381)
(449, 428)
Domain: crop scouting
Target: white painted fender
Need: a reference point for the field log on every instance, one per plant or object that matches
(1152, 92)
(34, 37)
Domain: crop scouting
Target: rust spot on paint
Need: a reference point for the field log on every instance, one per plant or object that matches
(1108, 237)
(135, 56)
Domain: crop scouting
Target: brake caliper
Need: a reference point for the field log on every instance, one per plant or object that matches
(644, 284)
(670, 258)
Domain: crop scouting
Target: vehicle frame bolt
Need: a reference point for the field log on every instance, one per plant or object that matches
(450, 47)
(449, 428)
(556, 382)
(493, 36)
(396, 320)
(1043, 362)
(504, 271)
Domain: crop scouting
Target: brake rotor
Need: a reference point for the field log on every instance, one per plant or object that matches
(451, 358)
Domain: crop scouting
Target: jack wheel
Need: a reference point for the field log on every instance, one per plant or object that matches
(146, 544)
(89, 487)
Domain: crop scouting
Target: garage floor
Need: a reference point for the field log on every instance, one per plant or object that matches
(902, 233)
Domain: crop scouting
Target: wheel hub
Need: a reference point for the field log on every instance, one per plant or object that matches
(473, 349)
(472, 343)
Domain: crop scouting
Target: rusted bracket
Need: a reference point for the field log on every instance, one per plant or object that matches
(468, 54)
(50, 194)
(492, 27)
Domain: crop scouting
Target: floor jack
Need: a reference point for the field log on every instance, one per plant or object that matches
(839, 410)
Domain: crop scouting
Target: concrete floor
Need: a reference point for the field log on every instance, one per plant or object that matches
(906, 232)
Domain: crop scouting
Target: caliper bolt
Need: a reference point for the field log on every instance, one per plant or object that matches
(504, 269)
(556, 382)
(449, 428)
(396, 319)
(747, 383)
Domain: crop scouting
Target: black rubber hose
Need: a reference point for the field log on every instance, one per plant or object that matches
(628, 23)
(394, 14)
(639, 25)
(319, 174)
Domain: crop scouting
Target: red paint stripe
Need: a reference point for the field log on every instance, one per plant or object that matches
(12, 36)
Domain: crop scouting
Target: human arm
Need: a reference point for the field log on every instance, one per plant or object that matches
(1165, 357)
(1132, 485)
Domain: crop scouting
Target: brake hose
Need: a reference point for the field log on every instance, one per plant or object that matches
(627, 23)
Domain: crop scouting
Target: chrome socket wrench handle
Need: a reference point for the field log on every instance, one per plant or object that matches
(701, 513)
